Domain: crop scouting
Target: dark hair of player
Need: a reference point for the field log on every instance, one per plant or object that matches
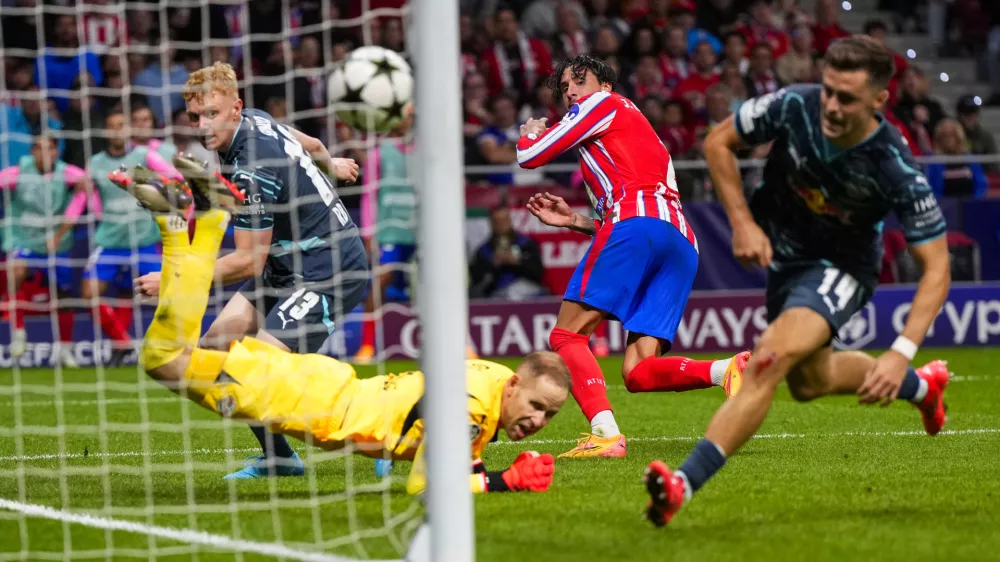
(860, 52)
(578, 66)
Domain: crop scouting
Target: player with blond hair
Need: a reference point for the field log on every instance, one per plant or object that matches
(298, 252)
(314, 397)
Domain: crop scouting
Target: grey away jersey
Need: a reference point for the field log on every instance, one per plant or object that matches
(313, 236)
(818, 202)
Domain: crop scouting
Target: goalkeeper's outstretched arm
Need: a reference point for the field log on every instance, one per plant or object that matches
(530, 472)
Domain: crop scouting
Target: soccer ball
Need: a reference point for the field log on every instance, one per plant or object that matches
(371, 89)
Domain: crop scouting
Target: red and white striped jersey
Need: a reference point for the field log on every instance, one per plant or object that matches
(627, 169)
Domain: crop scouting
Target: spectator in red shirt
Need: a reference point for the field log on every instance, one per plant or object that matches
(761, 78)
(827, 28)
(571, 39)
(652, 110)
(694, 87)
(648, 80)
(760, 28)
(674, 61)
(677, 135)
(515, 61)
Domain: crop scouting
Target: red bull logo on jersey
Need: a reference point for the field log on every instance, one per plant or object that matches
(818, 204)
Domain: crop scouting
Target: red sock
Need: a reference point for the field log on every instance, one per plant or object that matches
(368, 332)
(66, 319)
(589, 389)
(669, 374)
(111, 326)
(20, 302)
(124, 316)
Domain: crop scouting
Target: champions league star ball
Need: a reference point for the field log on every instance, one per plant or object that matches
(371, 89)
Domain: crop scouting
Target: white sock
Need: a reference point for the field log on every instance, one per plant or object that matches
(719, 370)
(921, 392)
(603, 424)
(687, 485)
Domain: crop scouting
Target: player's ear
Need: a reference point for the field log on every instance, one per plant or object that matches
(606, 87)
(238, 105)
(881, 99)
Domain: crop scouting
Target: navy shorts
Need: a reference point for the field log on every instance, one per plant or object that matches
(639, 271)
(820, 286)
(301, 317)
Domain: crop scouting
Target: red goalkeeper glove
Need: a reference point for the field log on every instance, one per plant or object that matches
(530, 471)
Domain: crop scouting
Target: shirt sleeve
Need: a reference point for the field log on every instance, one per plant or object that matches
(74, 175)
(759, 119)
(911, 198)
(8, 177)
(585, 120)
(160, 165)
(261, 188)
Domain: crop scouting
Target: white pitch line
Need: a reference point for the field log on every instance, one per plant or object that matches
(189, 536)
(662, 438)
(49, 456)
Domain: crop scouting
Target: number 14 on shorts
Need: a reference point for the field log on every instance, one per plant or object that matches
(843, 287)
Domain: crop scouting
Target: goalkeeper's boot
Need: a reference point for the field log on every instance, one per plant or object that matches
(666, 493)
(263, 467)
(933, 408)
(383, 467)
(156, 193)
(733, 379)
(210, 189)
(593, 446)
(18, 342)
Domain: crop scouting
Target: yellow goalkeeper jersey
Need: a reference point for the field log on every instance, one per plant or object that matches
(319, 399)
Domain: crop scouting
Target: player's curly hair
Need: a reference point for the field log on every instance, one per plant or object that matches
(220, 77)
(578, 66)
(860, 52)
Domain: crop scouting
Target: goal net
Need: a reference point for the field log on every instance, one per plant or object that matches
(98, 460)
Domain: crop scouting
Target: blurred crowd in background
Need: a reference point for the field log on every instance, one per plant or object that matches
(686, 64)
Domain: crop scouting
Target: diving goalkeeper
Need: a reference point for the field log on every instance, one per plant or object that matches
(312, 397)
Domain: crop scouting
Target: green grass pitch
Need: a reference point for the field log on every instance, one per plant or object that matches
(829, 480)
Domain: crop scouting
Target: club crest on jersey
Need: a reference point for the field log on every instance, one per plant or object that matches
(816, 201)
(226, 406)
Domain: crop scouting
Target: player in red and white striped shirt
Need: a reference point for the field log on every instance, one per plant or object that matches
(641, 265)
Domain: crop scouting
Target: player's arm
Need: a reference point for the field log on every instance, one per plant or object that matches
(756, 123)
(252, 227)
(924, 227)
(78, 180)
(530, 472)
(344, 169)
(588, 119)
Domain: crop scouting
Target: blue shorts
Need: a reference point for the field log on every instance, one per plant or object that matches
(40, 262)
(397, 254)
(114, 265)
(639, 271)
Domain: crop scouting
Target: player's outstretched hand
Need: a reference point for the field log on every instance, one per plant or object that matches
(530, 472)
(534, 126)
(346, 169)
(148, 285)
(551, 209)
(883, 381)
(751, 246)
